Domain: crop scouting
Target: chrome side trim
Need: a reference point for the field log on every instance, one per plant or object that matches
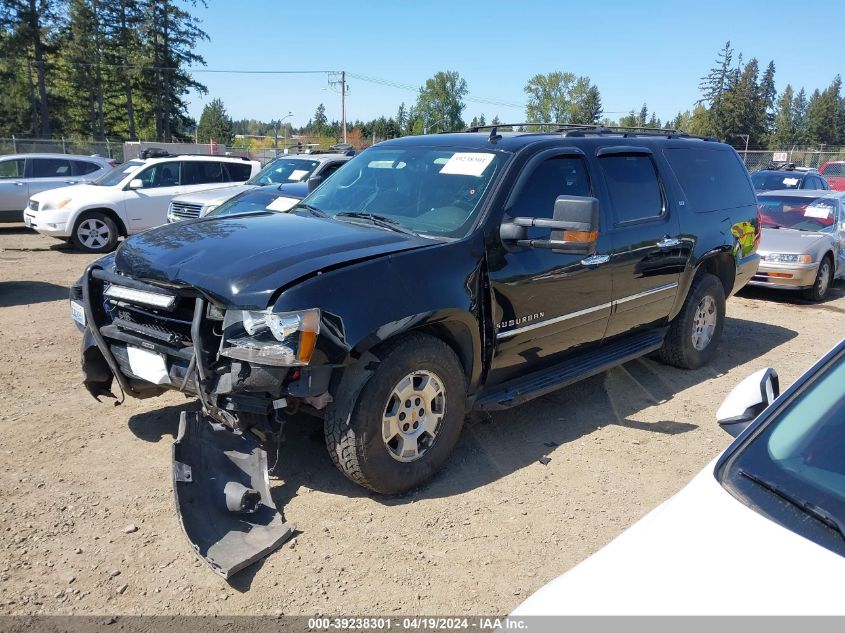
(571, 315)
(653, 291)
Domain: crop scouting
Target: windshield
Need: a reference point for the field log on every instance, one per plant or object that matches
(255, 201)
(768, 181)
(423, 189)
(801, 452)
(804, 213)
(117, 174)
(282, 170)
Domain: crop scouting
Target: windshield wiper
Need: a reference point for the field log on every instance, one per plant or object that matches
(309, 207)
(812, 509)
(378, 220)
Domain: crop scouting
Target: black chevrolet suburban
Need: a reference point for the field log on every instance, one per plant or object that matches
(430, 276)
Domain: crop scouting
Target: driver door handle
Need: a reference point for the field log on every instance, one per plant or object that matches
(668, 242)
(595, 260)
(19, 184)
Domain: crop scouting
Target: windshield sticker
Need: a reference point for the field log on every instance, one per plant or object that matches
(467, 163)
(790, 182)
(817, 212)
(282, 203)
(298, 174)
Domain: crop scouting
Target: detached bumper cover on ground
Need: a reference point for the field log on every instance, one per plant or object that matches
(223, 495)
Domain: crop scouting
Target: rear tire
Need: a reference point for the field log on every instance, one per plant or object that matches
(824, 278)
(416, 397)
(95, 232)
(695, 332)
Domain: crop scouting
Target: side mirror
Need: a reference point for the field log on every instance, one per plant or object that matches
(574, 227)
(314, 182)
(135, 183)
(748, 400)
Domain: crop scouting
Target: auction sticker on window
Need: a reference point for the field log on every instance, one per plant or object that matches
(467, 163)
(282, 203)
(298, 174)
(818, 211)
(790, 182)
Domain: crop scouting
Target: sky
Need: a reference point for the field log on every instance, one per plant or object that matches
(635, 52)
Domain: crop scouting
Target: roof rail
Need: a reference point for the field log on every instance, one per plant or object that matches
(582, 129)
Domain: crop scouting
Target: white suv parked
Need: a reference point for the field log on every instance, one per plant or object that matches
(130, 198)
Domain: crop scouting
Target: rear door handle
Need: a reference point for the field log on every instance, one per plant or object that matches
(595, 260)
(668, 242)
(19, 184)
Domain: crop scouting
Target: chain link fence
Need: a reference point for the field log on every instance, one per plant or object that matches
(763, 159)
(107, 148)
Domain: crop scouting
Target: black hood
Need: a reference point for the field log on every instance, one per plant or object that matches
(243, 261)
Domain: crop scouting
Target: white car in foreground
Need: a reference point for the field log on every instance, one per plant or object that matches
(130, 198)
(758, 532)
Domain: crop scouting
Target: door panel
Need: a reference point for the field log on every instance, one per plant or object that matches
(147, 207)
(14, 191)
(546, 305)
(648, 254)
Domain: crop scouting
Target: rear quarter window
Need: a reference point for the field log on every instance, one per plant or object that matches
(238, 172)
(83, 167)
(712, 179)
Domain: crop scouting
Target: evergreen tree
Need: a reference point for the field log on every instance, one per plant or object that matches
(83, 78)
(401, 119)
(825, 116)
(799, 116)
(35, 24)
(768, 97)
(215, 124)
(714, 85)
(319, 120)
(170, 35)
(481, 120)
(784, 133)
(121, 20)
(588, 108)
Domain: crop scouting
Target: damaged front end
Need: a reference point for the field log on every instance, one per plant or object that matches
(247, 369)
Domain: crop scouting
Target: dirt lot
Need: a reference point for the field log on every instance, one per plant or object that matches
(486, 533)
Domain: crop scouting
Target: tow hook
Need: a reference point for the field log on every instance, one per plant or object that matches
(222, 491)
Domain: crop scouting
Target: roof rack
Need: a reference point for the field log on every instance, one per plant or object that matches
(580, 129)
(154, 152)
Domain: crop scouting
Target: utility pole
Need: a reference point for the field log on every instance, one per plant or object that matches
(344, 90)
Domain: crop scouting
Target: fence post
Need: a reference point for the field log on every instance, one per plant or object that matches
(64, 151)
(108, 147)
(14, 144)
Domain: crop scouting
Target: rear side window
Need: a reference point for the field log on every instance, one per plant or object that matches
(196, 172)
(238, 172)
(50, 168)
(633, 187)
(712, 179)
(83, 167)
(11, 168)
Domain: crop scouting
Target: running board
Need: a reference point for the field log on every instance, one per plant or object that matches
(537, 384)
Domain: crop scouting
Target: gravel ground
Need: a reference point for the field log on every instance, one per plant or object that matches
(87, 521)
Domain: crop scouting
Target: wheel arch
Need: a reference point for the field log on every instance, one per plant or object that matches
(114, 215)
(719, 262)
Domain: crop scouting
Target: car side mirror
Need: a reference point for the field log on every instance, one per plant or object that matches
(748, 400)
(314, 182)
(135, 183)
(574, 227)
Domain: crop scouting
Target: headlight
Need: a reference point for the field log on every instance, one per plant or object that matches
(284, 339)
(788, 258)
(54, 205)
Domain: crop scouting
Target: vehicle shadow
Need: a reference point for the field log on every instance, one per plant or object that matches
(494, 446)
(793, 297)
(15, 228)
(15, 293)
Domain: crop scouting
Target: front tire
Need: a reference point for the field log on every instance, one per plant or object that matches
(824, 277)
(95, 232)
(695, 332)
(406, 419)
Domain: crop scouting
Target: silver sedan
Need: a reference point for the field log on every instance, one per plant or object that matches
(803, 241)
